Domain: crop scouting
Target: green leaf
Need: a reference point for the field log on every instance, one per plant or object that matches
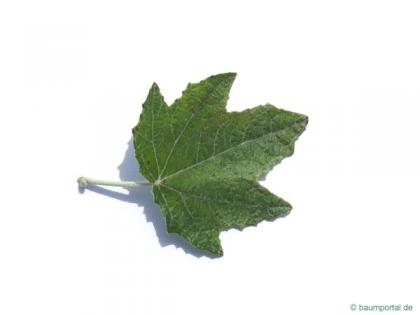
(204, 162)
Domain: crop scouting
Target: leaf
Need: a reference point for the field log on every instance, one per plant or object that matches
(204, 162)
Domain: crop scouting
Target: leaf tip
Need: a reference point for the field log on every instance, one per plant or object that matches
(154, 86)
(227, 75)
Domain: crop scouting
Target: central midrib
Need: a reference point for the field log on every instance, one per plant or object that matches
(227, 150)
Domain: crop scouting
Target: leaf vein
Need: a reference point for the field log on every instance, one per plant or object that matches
(153, 129)
(186, 125)
(229, 149)
(216, 200)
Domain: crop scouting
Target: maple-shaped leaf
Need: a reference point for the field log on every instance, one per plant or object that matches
(204, 162)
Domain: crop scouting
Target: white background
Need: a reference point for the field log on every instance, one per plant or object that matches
(73, 75)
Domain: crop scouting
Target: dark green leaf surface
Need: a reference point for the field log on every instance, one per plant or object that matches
(204, 162)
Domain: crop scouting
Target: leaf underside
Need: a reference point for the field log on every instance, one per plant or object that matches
(204, 162)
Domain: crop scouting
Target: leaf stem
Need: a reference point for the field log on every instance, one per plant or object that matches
(86, 181)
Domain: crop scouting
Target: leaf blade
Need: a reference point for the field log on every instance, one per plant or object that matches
(207, 161)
